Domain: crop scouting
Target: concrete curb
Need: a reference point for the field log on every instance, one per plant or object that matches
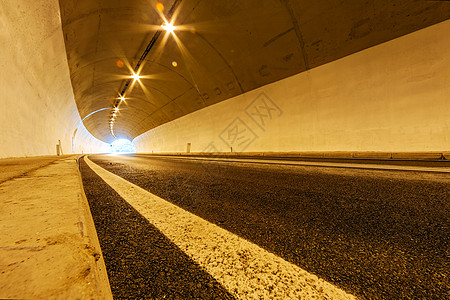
(446, 155)
(330, 154)
(101, 276)
(49, 247)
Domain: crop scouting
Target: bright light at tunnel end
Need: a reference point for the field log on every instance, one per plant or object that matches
(122, 146)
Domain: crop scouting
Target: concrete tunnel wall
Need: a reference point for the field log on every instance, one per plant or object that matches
(391, 97)
(37, 101)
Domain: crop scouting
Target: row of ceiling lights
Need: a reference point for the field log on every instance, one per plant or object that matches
(169, 27)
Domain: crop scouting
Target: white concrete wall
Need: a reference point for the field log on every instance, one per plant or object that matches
(85, 142)
(392, 97)
(36, 100)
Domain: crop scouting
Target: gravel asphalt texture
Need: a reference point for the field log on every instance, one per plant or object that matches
(376, 234)
(141, 262)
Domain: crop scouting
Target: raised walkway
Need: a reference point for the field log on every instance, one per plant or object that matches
(48, 244)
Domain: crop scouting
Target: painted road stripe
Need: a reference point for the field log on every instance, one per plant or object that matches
(243, 268)
(317, 164)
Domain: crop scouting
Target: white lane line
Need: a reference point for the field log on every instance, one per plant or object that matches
(319, 164)
(243, 268)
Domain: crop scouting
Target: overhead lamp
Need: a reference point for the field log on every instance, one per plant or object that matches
(135, 76)
(168, 27)
(122, 98)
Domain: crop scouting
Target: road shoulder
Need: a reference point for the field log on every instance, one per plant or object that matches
(48, 246)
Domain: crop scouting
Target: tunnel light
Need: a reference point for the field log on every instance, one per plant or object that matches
(116, 109)
(135, 76)
(122, 98)
(168, 27)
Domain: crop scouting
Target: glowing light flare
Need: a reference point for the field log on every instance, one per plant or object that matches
(159, 6)
(119, 63)
(136, 76)
(168, 27)
(188, 59)
(174, 64)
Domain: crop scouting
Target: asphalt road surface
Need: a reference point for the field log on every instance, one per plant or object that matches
(375, 234)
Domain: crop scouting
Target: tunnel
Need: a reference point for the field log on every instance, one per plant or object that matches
(252, 149)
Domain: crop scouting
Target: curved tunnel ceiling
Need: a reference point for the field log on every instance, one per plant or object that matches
(220, 49)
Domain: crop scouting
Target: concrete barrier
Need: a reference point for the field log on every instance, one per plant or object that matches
(417, 155)
(318, 155)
